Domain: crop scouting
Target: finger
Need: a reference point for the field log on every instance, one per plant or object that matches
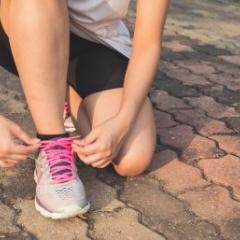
(20, 134)
(91, 159)
(88, 149)
(101, 164)
(4, 164)
(23, 150)
(76, 137)
(90, 138)
(18, 157)
(10, 161)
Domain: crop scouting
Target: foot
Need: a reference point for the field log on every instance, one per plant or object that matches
(59, 191)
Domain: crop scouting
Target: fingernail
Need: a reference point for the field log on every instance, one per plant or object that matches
(36, 140)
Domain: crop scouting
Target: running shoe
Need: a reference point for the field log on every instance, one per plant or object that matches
(68, 124)
(59, 190)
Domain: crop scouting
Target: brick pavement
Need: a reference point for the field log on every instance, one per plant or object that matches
(191, 190)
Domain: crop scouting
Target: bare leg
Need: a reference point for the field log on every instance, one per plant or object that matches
(138, 149)
(78, 112)
(39, 36)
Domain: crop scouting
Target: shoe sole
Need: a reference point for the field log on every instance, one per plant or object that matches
(67, 213)
(69, 126)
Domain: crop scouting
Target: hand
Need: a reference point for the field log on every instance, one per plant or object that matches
(102, 144)
(12, 152)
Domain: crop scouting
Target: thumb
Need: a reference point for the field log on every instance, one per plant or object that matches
(20, 134)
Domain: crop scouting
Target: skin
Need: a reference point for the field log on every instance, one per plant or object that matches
(122, 133)
(11, 152)
(38, 32)
(36, 21)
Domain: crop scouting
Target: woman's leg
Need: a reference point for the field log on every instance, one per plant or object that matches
(77, 109)
(38, 32)
(75, 102)
(138, 148)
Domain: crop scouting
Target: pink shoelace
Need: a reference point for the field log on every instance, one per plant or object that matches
(60, 159)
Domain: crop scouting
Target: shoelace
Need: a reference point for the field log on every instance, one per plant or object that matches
(59, 158)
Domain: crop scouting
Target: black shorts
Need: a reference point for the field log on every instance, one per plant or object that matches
(98, 67)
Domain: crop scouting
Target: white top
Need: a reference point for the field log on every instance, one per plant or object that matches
(101, 21)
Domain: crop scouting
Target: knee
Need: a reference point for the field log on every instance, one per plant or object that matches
(132, 167)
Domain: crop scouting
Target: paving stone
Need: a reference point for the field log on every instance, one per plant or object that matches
(210, 50)
(203, 124)
(214, 127)
(178, 137)
(45, 229)
(10, 82)
(121, 225)
(224, 95)
(196, 56)
(233, 123)
(185, 76)
(194, 117)
(18, 236)
(169, 55)
(227, 68)
(164, 213)
(231, 59)
(109, 176)
(213, 109)
(159, 148)
(113, 206)
(163, 120)
(24, 120)
(213, 204)
(200, 148)
(230, 229)
(165, 102)
(100, 194)
(18, 182)
(175, 87)
(175, 175)
(6, 220)
(176, 46)
(225, 170)
(204, 68)
(230, 144)
(191, 145)
(228, 80)
(9, 103)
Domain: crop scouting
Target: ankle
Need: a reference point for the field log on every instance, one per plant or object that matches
(45, 137)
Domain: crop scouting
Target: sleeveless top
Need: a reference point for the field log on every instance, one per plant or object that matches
(101, 21)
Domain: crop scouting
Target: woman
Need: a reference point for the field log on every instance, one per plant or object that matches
(109, 79)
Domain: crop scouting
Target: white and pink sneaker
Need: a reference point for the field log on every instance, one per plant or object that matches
(59, 191)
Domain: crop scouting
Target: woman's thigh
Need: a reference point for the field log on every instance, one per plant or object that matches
(98, 80)
(138, 148)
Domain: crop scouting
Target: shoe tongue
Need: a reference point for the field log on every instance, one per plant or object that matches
(61, 163)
